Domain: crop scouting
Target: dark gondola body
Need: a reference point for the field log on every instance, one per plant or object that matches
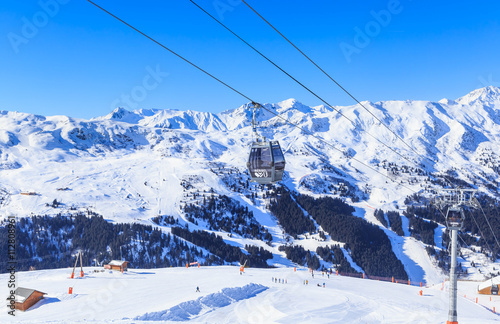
(455, 218)
(266, 162)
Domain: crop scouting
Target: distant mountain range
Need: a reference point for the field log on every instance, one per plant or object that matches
(131, 166)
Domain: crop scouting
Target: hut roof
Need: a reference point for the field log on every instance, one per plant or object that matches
(23, 293)
(117, 263)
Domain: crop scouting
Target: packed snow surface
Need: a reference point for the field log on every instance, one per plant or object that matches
(169, 295)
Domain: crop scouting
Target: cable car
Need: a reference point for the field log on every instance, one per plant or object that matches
(266, 162)
(455, 218)
(494, 289)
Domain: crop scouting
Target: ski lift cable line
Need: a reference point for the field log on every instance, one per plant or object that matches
(302, 85)
(332, 146)
(248, 98)
(496, 209)
(171, 51)
(488, 222)
(465, 244)
(480, 231)
(338, 84)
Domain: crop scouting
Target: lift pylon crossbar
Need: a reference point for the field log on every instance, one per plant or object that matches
(457, 197)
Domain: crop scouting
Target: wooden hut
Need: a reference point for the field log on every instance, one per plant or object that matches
(117, 265)
(489, 287)
(29, 193)
(25, 298)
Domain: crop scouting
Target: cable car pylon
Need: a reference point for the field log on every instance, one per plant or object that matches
(455, 200)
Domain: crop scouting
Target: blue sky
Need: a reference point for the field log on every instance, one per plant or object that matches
(66, 57)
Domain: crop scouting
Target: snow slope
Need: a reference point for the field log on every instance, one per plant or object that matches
(148, 296)
(129, 166)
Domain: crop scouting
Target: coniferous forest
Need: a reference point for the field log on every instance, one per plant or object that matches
(369, 246)
(289, 214)
(45, 242)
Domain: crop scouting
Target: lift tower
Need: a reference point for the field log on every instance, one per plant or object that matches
(455, 200)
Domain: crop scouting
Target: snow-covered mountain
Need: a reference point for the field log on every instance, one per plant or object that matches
(131, 166)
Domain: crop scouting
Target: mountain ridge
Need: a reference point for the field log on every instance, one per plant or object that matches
(132, 166)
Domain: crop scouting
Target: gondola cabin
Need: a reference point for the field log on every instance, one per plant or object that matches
(494, 289)
(266, 162)
(455, 218)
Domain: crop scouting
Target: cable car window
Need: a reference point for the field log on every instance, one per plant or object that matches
(278, 155)
(260, 157)
(265, 156)
(254, 154)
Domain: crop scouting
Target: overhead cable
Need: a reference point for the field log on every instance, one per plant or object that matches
(302, 85)
(248, 98)
(338, 84)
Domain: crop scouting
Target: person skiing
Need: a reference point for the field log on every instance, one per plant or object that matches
(197, 289)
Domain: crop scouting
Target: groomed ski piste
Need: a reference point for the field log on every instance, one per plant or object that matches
(169, 295)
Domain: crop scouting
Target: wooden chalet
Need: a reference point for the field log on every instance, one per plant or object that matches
(29, 193)
(25, 298)
(489, 287)
(117, 265)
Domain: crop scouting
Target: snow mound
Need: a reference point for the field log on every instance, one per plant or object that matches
(188, 310)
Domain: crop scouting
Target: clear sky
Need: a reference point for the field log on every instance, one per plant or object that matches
(66, 57)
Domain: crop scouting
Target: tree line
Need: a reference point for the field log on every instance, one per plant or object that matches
(290, 216)
(369, 246)
(225, 214)
(48, 242)
(256, 257)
